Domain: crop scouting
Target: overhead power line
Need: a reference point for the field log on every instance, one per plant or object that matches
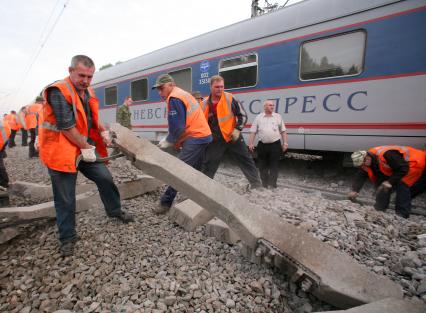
(42, 42)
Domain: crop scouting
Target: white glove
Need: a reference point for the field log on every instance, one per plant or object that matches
(386, 185)
(36, 144)
(89, 154)
(106, 136)
(164, 144)
(235, 135)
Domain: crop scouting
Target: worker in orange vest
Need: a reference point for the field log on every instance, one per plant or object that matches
(4, 136)
(23, 125)
(188, 130)
(6, 119)
(391, 168)
(71, 127)
(32, 119)
(12, 120)
(226, 118)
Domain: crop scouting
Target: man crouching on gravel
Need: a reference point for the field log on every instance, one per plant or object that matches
(70, 127)
(398, 168)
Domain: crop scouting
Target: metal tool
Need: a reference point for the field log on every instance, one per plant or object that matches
(99, 160)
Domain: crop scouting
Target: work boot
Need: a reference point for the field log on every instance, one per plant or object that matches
(124, 216)
(67, 248)
(162, 208)
(402, 214)
(255, 185)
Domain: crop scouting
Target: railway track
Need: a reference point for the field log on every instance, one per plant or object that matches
(417, 208)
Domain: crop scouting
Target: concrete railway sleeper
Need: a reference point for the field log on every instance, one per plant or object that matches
(327, 273)
(11, 217)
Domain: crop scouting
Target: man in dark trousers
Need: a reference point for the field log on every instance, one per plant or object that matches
(273, 142)
(12, 120)
(71, 127)
(226, 118)
(391, 168)
(33, 117)
(188, 130)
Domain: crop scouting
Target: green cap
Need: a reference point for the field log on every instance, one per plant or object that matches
(163, 79)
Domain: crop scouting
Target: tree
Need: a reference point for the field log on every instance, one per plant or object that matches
(105, 66)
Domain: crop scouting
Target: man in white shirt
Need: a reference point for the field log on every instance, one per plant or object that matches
(272, 143)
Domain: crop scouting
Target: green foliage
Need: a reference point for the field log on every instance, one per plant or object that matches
(105, 66)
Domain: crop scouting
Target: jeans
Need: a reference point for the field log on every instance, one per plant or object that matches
(63, 185)
(191, 154)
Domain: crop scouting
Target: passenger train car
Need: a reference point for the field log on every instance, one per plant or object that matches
(344, 74)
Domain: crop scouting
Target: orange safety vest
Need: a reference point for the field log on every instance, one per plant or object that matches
(416, 163)
(33, 114)
(56, 151)
(13, 121)
(4, 134)
(196, 124)
(225, 116)
(6, 120)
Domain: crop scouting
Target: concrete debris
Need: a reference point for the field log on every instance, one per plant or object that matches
(84, 201)
(189, 215)
(40, 193)
(327, 273)
(150, 264)
(218, 229)
(389, 305)
(8, 233)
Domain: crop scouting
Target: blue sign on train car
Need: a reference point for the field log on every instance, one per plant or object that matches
(204, 66)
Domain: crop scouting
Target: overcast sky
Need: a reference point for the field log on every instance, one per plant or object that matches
(106, 30)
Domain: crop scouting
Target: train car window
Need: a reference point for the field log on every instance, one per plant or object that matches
(240, 71)
(139, 89)
(111, 95)
(341, 55)
(183, 78)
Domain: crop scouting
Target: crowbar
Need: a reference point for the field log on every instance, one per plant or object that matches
(99, 160)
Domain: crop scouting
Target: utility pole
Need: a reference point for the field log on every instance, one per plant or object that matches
(257, 10)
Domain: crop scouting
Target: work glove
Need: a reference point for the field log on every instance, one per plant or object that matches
(89, 154)
(106, 136)
(386, 186)
(352, 195)
(235, 135)
(164, 144)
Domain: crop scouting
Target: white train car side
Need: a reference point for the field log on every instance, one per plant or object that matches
(344, 74)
